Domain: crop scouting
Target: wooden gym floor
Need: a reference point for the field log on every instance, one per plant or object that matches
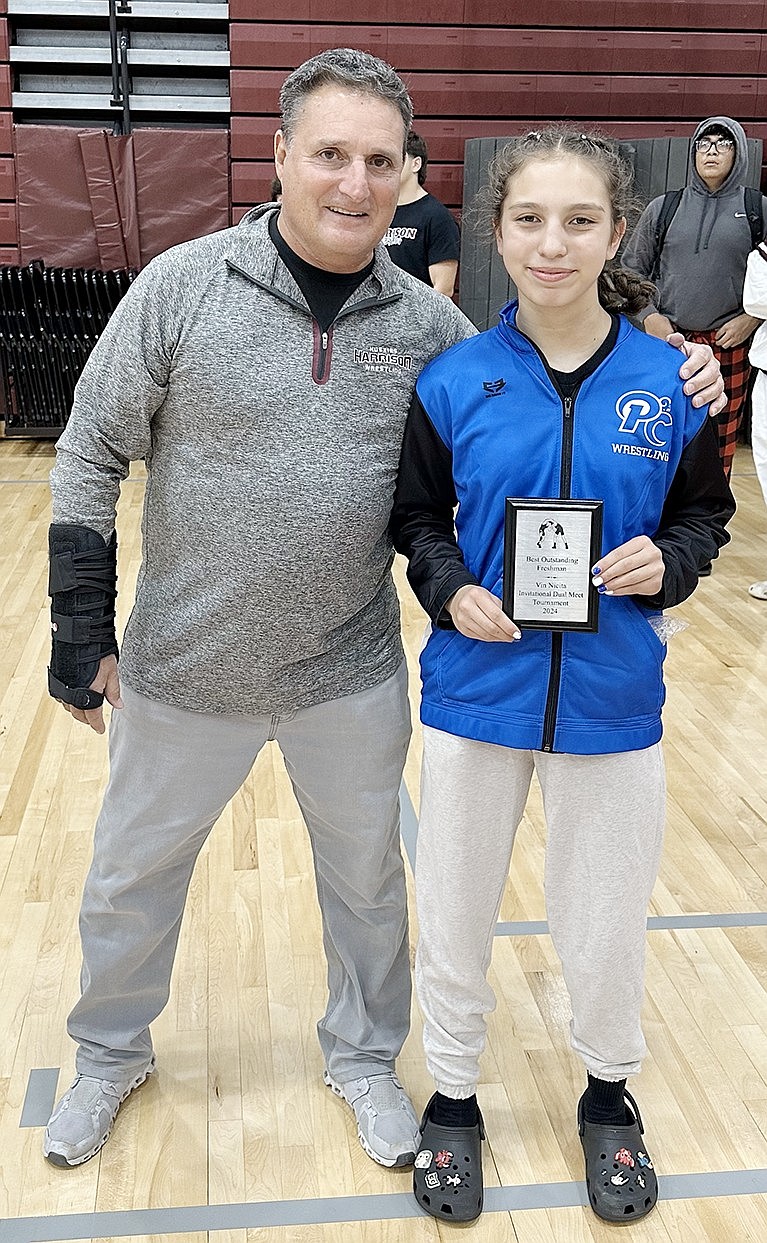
(235, 1138)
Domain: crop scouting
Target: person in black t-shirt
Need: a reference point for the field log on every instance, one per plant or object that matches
(423, 237)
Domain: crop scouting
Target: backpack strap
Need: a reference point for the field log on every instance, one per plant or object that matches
(671, 201)
(752, 201)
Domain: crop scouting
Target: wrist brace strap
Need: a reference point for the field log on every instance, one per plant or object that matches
(83, 587)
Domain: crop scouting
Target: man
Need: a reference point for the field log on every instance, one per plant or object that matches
(264, 373)
(423, 238)
(699, 261)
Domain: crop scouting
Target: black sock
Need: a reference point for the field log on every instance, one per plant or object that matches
(604, 1102)
(447, 1111)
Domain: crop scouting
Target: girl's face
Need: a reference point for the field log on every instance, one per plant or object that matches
(556, 233)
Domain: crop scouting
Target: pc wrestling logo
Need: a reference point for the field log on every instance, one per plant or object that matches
(645, 416)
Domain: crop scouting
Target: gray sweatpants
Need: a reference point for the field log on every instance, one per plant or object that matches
(172, 772)
(605, 817)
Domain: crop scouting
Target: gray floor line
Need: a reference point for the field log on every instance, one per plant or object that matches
(392, 1207)
(40, 1097)
(726, 919)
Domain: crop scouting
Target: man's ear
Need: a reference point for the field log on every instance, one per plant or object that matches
(280, 149)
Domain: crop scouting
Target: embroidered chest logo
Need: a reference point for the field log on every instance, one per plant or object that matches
(647, 417)
(385, 359)
(493, 388)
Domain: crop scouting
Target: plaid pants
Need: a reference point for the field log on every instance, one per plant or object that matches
(735, 373)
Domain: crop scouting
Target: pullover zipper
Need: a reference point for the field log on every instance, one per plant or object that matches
(322, 353)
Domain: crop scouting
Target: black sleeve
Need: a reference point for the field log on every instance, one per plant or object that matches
(692, 528)
(444, 236)
(421, 525)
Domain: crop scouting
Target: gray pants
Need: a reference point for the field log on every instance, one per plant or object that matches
(172, 773)
(604, 817)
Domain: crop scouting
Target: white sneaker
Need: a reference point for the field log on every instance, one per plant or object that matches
(759, 590)
(387, 1127)
(82, 1121)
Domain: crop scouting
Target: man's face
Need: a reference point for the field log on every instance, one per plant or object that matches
(713, 160)
(340, 177)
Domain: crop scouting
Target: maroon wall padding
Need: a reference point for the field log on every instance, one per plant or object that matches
(253, 137)
(91, 200)
(379, 12)
(4, 53)
(7, 179)
(110, 180)
(8, 234)
(5, 86)
(263, 45)
(690, 97)
(196, 198)
(478, 94)
(578, 14)
(547, 95)
(625, 14)
(6, 133)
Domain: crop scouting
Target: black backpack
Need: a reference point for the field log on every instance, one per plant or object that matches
(752, 201)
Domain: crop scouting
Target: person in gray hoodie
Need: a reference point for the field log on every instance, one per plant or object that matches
(264, 373)
(701, 266)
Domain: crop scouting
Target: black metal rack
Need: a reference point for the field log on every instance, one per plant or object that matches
(50, 320)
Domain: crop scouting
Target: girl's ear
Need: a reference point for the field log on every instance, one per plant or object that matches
(617, 237)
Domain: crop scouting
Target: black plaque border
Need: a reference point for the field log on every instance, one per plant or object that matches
(513, 506)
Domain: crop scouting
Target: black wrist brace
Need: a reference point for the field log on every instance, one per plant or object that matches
(83, 588)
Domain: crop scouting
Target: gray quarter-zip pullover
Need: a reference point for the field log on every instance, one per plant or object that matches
(271, 453)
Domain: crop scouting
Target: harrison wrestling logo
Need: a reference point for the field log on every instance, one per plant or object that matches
(385, 359)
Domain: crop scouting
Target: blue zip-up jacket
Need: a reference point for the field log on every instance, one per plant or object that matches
(487, 421)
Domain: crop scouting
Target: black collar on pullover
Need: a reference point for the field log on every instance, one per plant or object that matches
(325, 292)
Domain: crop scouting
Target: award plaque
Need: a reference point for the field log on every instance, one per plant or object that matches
(550, 547)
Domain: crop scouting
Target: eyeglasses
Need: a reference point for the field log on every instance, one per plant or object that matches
(710, 144)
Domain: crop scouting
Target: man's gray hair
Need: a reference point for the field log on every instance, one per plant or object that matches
(343, 66)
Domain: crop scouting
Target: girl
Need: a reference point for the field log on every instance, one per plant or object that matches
(563, 399)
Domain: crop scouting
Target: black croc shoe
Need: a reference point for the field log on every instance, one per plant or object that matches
(447, 1179)
(620, 1179)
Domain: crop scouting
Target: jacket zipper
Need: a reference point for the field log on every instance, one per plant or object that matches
(555, 667)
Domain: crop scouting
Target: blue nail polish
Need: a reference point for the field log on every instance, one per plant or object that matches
(596, 570)
(602, 589)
